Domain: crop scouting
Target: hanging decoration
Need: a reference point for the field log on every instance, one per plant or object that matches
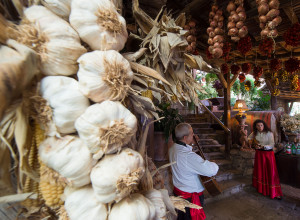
(275, 64)
(246, 67)
(248, 85)
(275, 92)
(294, 82)
(235, 69)
(292, 65)
(244, 45)
(292, 36)
(191, 36)
(266, 47)
(224, 68)
(226, 50)
(242, 77)
(283, 75)
(257, 72)
(268, 14)
(215, 32)
(236, 27)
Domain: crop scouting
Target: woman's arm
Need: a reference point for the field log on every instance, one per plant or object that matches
(271, 141)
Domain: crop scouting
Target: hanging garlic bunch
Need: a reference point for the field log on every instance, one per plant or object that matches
(57, 44)
(61, 8)
(99, 24)
(133, 207)
(106, 127)
(69, 157)
(104, 75)
(82, 204)
(67, 102)
(156, 197)
(117, 175)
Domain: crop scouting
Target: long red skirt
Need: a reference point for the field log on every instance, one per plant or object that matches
(265, 175)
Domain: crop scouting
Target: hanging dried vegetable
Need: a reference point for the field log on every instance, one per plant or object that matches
(224, 68)
(246, 67)
(242, 77)
(292, 65)
(283, 75)
(275, 64)
(235, 69)
(292, 36)
(244, 45)
(226, 50)
(257, 72)
(267, 47)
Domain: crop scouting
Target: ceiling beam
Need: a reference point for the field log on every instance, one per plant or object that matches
(289, 11)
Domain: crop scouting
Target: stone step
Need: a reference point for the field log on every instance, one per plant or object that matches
(229, 187)
(223, 175)
(200, 125)
(216, 136)
(204, 130)
(214, 155)
(208, 142)
(224, 164)
(212, 146)
(196, 120)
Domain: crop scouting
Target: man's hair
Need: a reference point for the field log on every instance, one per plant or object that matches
(181, 130)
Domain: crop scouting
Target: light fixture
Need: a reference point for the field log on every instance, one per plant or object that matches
(240, 105)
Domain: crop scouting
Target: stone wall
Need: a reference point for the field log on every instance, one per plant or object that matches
(242, 161)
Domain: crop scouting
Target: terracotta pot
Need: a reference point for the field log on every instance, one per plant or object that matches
(161, 146)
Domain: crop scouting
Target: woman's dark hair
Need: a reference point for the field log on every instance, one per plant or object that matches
(266, 128)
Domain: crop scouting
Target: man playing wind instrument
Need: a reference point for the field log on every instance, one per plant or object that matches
(186, 171)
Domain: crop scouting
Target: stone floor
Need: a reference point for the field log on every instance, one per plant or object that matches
(248, 205)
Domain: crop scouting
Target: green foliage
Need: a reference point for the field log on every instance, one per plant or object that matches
(210, 78)
(171, 119)
(211, 92)
(261, 103)
(239, 88)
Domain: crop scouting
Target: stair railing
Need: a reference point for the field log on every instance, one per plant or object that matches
(227, 130)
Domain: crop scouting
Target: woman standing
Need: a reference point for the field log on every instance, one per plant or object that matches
(265, 175)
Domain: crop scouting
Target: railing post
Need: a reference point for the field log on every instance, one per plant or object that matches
(227, 115)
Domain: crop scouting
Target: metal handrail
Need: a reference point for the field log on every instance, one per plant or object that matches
(227, 130)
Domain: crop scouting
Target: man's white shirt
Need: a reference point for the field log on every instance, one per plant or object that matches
(188, 167)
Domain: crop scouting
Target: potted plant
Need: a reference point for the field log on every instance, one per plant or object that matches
(164, 130)
(219, 88)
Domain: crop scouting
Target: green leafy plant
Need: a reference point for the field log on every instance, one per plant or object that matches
(262, 102)
(171, 119)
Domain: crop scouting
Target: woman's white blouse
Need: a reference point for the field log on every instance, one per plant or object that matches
(266, 139)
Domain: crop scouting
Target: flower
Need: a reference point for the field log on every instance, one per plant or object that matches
(290, 123)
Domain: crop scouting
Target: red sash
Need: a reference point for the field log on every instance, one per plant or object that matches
(196, 214)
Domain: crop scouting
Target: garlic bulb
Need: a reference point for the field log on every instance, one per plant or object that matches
(106, 127)
(67, 102)
(81, 204)
(69, 157)
(53, 39)
(61, 8)
(133, 207)
(156, 198)
(99, 24)
(117, 175)
(104, 75)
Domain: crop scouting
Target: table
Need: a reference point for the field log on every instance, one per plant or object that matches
(288, 169)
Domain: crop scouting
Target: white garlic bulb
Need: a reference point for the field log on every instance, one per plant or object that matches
(69, 157)
(156, 197)
(61, 8)
(81, 204)
(106, 127)
(133, 207)
(104, 75)
(99, 24)
(117, 175)
(67, 102)
(53, 38)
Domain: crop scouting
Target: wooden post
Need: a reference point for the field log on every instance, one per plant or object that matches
(227, 115)
(273, 103)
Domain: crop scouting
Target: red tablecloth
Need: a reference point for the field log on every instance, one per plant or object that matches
(265, 175)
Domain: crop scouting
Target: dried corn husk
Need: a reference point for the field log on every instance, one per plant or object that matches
(156, 198)
(99, 24)
(57, 44)
(136, 207)
(117, 175)
(66, 101)
(106, 127)
(104, 75)
(61, 8)
(69, 157)
(82, 204)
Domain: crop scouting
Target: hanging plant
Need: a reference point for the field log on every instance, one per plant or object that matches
(294, 82)
(257, 72)
(235, 69)
(266, 47)
(283, 75)
(208, 54)
(226, 50)
(275, 64)
(275, 92)
(224, 68)
(242, 77)
(292, 65)
(246, 67)
(275, 81)
(244, 45)
(248, 85)
(292, 35)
